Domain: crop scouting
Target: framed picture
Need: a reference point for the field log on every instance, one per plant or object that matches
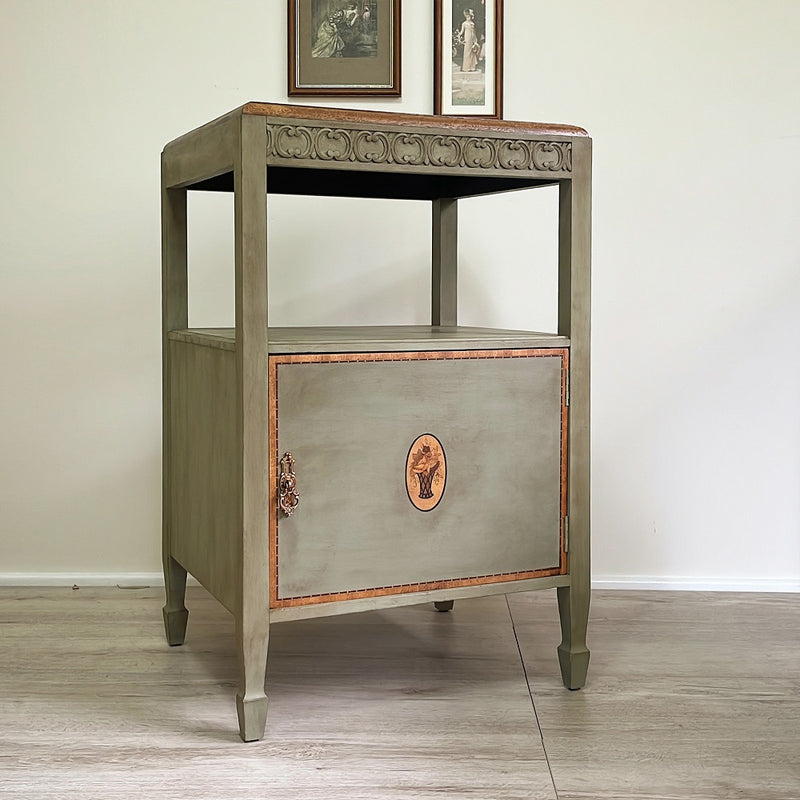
(468, 58)
(345, 48)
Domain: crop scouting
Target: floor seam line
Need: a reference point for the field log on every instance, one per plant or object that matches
(530, 695)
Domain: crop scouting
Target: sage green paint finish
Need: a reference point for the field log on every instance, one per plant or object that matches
(378, 338)
(574, 305)
(444, 263)
(251, 468)
(350, 426)
(237, 152)
(204, 511)
(174, 315)
(206, 152)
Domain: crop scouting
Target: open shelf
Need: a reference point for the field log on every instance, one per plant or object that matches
(371, 338)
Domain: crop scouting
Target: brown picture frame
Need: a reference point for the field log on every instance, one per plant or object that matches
(468, 58)
(338, 50)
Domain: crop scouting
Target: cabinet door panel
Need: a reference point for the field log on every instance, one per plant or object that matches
(364, 523)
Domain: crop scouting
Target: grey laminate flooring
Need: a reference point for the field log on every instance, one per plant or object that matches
(690, 695)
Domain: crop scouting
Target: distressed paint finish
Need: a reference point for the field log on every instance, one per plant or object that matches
(175, 315)
(574, 319)
(348, 419)
(204, 517)
(427, 152)
(250, 268)
(444, 263)
(220, 513)
(383, 338)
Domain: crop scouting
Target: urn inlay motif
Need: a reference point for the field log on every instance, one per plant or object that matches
(426, 472)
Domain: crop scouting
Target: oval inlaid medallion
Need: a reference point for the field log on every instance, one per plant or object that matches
(426, 472)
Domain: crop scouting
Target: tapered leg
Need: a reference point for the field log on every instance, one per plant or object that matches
(573, 655)
(252, 401)
(175, 613)
(251, 699)
(175, 316)
(574, 321)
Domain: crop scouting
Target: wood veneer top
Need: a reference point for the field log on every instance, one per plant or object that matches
(334, 115)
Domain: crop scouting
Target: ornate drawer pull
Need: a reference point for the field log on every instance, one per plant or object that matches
(287, 485)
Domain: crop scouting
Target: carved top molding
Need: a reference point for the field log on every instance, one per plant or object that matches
(444, 149)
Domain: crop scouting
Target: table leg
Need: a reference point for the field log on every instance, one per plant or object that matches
(251, 699)
(573, 655)
(175, 612)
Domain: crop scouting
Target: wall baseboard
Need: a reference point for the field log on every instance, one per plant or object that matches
(669, 583)
(680, 583)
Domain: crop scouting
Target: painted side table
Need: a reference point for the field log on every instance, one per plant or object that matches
(318, 471)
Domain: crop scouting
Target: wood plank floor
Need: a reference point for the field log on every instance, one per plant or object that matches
(690, 695)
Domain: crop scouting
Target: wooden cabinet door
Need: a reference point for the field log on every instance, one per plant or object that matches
(417, 471)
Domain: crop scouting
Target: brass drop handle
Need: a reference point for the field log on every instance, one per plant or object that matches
(287, 485)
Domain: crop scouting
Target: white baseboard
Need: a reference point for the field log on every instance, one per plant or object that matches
(671, 583)
(678, 583)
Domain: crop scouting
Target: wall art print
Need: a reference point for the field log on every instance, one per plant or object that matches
(344, 47)
(468, 57)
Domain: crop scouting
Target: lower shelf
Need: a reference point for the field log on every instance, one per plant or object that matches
(384, 338)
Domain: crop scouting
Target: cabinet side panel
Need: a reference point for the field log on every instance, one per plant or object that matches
(205, 495)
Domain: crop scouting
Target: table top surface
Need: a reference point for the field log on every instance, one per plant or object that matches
(454, 123)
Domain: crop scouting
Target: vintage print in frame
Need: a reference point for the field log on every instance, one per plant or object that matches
(468, 57)
(345, 48)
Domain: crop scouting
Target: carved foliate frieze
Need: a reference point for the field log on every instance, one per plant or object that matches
(307, 142)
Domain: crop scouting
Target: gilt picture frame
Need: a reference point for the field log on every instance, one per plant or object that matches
(344, 48)
(468, 58)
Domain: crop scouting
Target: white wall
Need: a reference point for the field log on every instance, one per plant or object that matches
(695, 114)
